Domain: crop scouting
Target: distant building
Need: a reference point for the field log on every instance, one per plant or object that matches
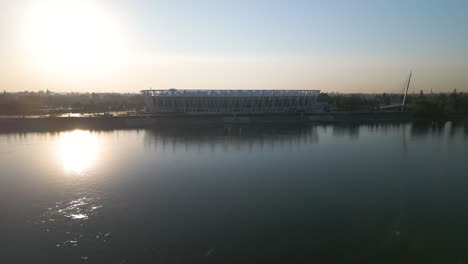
(232, 101)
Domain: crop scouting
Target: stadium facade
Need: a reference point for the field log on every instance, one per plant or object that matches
(231, 101)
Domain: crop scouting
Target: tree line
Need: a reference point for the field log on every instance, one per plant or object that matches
(46, 102)
(36, 103)
(433, 104)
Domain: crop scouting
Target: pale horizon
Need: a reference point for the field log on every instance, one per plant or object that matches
(333, 46)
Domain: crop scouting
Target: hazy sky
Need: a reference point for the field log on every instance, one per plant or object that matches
(332, 45)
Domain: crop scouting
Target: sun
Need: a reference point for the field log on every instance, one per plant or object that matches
(71, 36)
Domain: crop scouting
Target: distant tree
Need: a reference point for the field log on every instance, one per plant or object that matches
(324, 98)
(385, 99)
(76, 106)
(455, 101)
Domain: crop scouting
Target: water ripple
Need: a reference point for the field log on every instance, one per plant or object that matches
(67, 221)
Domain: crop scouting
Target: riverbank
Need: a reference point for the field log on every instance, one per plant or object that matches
(20, 124)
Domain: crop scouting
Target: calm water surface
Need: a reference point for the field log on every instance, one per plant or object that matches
(315, 194)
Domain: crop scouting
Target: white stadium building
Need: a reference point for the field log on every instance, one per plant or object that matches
(231, 101)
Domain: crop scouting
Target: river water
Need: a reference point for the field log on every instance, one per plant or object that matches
(303, 194)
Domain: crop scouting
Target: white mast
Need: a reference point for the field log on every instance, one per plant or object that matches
(406, 92)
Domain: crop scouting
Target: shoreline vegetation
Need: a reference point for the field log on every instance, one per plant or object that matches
(43, 111)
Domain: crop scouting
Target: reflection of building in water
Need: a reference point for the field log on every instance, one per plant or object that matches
(230, 138)
(346, 130)
(272, 138)
(446, 129)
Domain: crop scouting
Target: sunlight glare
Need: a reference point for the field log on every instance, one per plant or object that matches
(71, 37)
(78, 150)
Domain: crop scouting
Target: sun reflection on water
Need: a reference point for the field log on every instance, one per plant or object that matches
(67, 222)
(78, 150)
